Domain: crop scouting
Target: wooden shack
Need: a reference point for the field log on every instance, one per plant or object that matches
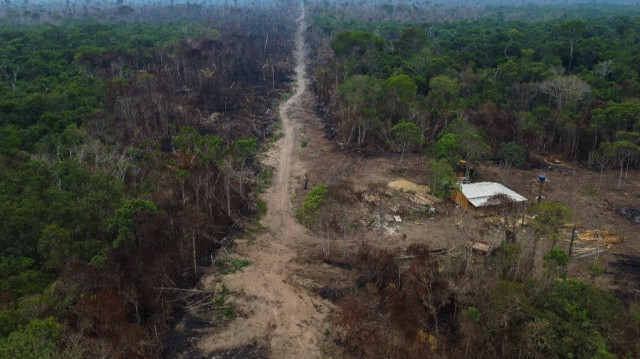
(476, 195)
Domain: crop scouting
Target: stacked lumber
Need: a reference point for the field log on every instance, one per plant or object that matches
(482, 247)
(587, 252)
(424, 199)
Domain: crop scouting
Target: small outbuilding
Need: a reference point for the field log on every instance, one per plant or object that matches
(476, 195)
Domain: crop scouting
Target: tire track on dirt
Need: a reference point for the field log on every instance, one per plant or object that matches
(276, 310)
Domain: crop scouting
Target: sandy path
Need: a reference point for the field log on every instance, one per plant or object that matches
(275, 306)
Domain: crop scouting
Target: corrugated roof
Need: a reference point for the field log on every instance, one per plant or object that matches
(479, 193)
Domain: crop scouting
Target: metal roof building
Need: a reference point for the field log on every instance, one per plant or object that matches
(478, 194)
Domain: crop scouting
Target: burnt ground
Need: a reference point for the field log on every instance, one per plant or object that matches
(283, 299)
(597, 204)
(594, 198)
(625, 271)
(630, 213)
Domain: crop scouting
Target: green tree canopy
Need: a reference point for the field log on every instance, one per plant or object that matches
(511, 155)
(126, 219)
(36, 340)
(54, 246)
(448, 148)
(357, 43)
(550, 216)
(442, 179)
(406, 134)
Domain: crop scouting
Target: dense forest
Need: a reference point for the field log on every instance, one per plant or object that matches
(494, 86)
(126, 155)
(129, 143)
(483, 88)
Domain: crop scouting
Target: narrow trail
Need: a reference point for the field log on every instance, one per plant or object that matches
(275, 307)
(279, 199)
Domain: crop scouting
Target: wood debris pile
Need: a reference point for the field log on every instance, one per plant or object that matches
(370, 197)
(423, 199)
(604, 238)
(587, 252)
(416, 193)
(482, 247)
(593, 242)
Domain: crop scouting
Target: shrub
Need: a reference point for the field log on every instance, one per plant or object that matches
(308, 214)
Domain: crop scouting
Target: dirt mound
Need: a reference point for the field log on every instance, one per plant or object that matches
(408, 186)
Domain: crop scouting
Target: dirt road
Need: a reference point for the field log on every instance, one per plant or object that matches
(275, 308)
